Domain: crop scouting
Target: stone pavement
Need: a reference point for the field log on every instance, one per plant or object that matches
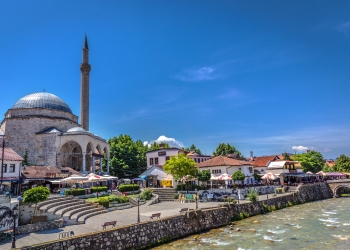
(123, 217)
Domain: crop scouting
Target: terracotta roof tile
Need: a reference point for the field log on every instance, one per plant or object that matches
(10, 155)
(34, 172)
(262, 161)
(222, 161)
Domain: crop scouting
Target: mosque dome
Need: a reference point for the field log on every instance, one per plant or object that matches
(42, 100)
(76, 129)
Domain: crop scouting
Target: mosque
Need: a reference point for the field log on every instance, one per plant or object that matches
(43, 125)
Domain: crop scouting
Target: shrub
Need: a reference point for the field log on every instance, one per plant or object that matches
(99, 189)
(112, 197)
(279, 206)
(289, 204)
(104, 202)
(231, 200)
(176, 196)
(128, 187)
(146, 194)
(122, 199)
(253, 195)
(273, 208)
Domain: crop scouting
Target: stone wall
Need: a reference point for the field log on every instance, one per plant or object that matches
(146, 234)
(312, 192)
(41, 226)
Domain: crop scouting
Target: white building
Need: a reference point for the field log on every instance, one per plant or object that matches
(158, 157)
(11, 167)
(197, 157)
(221, 164)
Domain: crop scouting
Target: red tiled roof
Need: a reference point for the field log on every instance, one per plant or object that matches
(222, 161)
(43, 172)
(10, 155)
(262, 161)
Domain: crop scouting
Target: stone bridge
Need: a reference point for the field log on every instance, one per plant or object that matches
(338, 185)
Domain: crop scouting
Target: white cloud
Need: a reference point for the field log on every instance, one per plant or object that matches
(197, 75)
(229, 94)
(163, 139)
(145, 143)
(300, 148)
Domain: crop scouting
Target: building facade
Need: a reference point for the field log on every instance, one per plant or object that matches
(44, 126)
(10, 172)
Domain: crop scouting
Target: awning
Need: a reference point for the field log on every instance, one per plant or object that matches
(299, 175)
(55, 181)
(137, 179)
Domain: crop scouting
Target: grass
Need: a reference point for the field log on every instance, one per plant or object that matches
(94, 200)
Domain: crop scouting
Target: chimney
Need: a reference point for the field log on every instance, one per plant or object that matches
(161, 145)
(251, 156)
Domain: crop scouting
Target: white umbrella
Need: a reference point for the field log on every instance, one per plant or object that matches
(269, 176)
(213, 178)
(224, 177)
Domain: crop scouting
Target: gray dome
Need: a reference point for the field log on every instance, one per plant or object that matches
(76, 129)
(42, 100)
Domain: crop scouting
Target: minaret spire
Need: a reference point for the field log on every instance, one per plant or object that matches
(85, 87)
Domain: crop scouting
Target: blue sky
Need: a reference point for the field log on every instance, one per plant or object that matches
(265, 76)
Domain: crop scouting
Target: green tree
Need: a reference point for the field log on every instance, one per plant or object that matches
(25, 161)
(253, 195)
(238, 176)
(326, 168)
(286, 156)
(36, 195)
(180, 166)
(194, 148)
(310, 161)
(204, 175)
(155, 146)
(342, 164)
(225, 149)
(127, 158)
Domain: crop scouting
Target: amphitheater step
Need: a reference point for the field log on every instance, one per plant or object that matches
(45, 204)
(94, 211)
(83, 218)
(74, 213)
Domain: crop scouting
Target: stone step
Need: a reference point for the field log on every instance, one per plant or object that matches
(46, 207)
(94, 211)
(53, 201)
(68, 209)
(74, 213)
(66, 205)
(83, 218)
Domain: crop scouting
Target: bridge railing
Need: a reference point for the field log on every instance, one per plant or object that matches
(337, 181)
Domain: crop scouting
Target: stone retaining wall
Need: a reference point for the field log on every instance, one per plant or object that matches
(41, 226)
(145, 234)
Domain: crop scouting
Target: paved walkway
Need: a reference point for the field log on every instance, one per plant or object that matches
(123, 217)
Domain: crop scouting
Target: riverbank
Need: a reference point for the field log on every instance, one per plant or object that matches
(150, 233)
(321, 225)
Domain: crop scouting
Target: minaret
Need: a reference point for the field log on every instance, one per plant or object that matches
(85, 87)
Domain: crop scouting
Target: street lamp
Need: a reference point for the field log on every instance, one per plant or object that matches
(196, 198)
(3, 156)
(14, 216)
(138, 208)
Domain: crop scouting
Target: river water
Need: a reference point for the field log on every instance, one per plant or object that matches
(316, 225)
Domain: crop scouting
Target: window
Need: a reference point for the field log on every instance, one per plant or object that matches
(4, 168)
(250, 170)
(150, 161)
(12, 168)
(216, 171)
(195, 159)
(167, 158)
(202, 159)
(156, 160)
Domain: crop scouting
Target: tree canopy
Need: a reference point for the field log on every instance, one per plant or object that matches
(342, 164)
(225, 149)
(286, 156)
(127, 157)
(36, 195)
(310, 161)
(180, 166)
(238, 176)
(194, 148)
(155, 146)
(204, 175)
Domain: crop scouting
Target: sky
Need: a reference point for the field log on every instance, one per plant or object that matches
(264, 76)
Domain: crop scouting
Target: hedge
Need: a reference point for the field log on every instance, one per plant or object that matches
(99, 189)
(104, 202)
(128, 187)
(75, 191)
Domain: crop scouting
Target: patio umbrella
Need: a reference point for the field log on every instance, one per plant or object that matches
(213, 178)
(269, 176)
(309, 172)
(224, 177)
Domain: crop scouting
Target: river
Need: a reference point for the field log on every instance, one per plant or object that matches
(316, 225)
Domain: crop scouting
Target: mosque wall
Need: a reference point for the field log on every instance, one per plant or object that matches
(40, 112)
(21, 136)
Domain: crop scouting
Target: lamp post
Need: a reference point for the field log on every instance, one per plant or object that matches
(14, 216)
(2, 158)
(196, 198)
(138, 208)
